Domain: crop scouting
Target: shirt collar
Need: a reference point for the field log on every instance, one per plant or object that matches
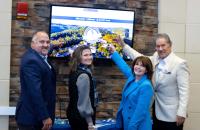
(43, 57)
(164, 64)
(167, 59)
(84, 67)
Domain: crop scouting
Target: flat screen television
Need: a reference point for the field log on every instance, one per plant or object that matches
(71, 27)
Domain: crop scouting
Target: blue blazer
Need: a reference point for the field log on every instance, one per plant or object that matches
(134, 109)
(38, 90)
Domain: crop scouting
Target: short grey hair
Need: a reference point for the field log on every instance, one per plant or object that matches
(165, 36)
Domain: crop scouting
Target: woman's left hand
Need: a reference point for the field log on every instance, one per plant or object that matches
(91, 127)
(111, 48)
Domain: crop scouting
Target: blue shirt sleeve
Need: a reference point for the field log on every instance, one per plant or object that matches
(121, 64)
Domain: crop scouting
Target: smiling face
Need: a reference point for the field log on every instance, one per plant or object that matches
(41, 43)
(139, 69)
(142, 66)
(163, 47)
(86, 57)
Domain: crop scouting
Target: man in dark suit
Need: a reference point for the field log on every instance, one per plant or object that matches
(36, 106)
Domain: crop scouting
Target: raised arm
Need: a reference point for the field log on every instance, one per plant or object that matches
(121, 64)
(130, 52)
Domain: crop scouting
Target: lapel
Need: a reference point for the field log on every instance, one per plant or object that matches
(40, 59)
(170, 63)
(132, 86)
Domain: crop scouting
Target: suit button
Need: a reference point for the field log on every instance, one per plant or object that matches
(129, 118)
(129, 107)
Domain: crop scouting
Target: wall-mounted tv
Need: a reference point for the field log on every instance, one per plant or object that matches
(71, 27)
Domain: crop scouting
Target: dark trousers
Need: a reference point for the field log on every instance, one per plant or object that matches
(79, 125)
(163, 125)
(29, 127)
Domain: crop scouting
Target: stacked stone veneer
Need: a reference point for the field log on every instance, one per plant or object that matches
(109, 79)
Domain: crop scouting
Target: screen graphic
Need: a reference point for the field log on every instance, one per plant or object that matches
(71, 27)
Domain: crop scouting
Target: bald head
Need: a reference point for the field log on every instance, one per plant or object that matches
(40, 42)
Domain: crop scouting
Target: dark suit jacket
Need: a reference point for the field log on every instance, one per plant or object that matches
(38, 90)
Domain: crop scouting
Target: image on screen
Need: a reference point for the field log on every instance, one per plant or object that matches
(71, 27)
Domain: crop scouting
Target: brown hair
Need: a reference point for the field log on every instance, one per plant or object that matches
(146, 62)
(76, 57)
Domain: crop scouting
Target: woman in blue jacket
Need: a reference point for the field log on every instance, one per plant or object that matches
(134, 109)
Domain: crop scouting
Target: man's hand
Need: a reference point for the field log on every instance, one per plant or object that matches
(47, 124)
(180, 120)
(120, 41)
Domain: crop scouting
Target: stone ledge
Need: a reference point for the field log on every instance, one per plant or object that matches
(5, 110)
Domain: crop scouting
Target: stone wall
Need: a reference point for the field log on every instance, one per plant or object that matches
(109, 78)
